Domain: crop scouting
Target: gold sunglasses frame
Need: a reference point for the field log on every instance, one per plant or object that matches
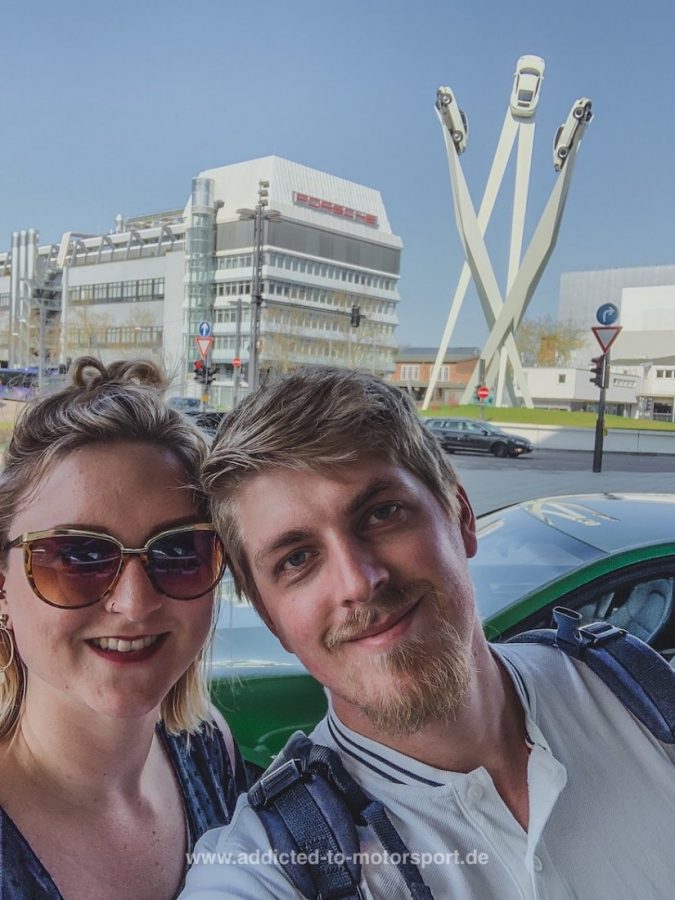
(25, 541)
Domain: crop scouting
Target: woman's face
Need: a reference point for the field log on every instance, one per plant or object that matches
(131, 491)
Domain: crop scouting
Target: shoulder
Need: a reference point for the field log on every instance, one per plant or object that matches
(237, 861)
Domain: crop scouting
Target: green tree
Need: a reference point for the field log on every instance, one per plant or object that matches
(547, 342)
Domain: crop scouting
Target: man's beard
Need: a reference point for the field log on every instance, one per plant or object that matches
(428, 676)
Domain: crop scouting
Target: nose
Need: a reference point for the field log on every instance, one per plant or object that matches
(358, 574)
(133, 595)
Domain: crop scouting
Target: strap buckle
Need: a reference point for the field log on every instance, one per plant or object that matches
(274, 783)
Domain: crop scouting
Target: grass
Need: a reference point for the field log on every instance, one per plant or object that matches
(524, 416)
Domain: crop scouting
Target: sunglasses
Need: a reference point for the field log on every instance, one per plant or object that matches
(71, 569)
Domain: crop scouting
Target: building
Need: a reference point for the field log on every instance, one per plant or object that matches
(414, 366)
(642, 373)
(320, 256)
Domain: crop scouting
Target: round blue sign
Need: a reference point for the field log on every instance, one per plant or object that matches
(204, 329)
(607, 314)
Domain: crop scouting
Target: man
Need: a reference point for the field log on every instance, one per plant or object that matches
(512, 770)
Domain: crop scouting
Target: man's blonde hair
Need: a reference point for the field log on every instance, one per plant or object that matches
(119, 402)
(320, 419)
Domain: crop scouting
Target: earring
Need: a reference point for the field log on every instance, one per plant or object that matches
(5, 632)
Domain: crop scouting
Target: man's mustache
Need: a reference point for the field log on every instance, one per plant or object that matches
(363, 617)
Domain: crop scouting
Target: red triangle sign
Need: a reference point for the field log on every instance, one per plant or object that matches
(605, 335)
(204, 345)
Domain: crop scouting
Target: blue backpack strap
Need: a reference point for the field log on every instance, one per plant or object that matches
(631, 669)
(310, 807)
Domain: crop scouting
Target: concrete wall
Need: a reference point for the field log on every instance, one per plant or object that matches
(618, 440)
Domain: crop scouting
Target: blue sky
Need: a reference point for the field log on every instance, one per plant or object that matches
(114, 107)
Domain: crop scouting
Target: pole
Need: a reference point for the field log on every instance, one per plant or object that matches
(41, 350)
(600, 421)
(256, 299)
(237, 352)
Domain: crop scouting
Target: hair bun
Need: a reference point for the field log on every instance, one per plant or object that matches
(87, 372)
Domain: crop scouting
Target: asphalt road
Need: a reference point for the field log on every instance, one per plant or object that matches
(492, 483)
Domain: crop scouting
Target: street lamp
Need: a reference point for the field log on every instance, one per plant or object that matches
(259, 215)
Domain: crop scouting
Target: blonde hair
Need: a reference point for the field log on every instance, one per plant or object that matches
(317, 418)
(119, 402)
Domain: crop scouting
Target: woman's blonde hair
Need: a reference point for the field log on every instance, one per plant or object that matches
(119, 402)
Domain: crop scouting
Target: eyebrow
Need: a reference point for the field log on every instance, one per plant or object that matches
(296, 536)
(285, 539)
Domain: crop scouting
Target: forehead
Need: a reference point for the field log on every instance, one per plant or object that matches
(107, 485)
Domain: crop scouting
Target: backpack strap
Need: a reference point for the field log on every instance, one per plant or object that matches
(631, 669)
(310, 807)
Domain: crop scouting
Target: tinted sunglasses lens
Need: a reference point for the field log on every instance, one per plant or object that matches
(73, 570)
(186, 564)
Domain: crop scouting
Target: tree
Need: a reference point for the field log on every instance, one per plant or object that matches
(546, 342)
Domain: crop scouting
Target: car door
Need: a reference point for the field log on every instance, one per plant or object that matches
(476, 438)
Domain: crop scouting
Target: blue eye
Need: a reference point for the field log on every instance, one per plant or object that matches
(295, 560)
(385, 512)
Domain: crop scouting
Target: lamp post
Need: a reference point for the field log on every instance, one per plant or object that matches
(259, 215)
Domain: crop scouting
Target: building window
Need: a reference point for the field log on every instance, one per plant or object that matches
(562, 379)
(410, 373)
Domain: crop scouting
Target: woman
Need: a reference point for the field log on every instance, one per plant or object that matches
(112, 761)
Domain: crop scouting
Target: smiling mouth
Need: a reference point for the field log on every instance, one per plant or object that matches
(121, 645)
(381, 628)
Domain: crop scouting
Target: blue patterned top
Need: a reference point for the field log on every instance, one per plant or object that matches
(208, 785)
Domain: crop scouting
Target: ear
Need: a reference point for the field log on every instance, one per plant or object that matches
(467, 523)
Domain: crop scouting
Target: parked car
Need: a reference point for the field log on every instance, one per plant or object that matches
(565, 136)
(611, 557)
(477, 437)
(454, 118)
(527, 85)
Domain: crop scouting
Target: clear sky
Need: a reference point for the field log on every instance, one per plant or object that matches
(114, 107)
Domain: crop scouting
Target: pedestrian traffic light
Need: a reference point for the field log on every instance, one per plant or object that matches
(599, 370)
(198, 370)
(356, 316)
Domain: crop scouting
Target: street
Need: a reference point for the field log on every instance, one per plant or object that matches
(491, 482)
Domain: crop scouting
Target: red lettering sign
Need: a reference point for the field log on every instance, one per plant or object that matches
(335, 209)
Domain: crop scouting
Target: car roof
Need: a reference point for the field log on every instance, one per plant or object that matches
(607, 521)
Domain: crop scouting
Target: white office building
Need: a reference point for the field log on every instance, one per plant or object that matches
(642, 371)
(324, 259)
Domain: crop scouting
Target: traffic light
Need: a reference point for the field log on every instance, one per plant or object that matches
(355, 320)
(198, 370)
(599, 370)
(210, 373)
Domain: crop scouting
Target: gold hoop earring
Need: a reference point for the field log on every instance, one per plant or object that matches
(7, 635)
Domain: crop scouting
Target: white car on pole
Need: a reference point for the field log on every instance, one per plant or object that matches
(453, 117)
(565, 136)
(527, 85)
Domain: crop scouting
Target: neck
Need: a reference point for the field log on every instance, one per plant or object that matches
(487, 730)
(82, 755)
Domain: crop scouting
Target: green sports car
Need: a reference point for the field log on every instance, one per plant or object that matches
(609, 556)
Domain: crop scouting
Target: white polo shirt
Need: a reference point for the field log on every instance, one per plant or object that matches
(602, 807)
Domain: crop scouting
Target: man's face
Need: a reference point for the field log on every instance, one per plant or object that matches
(363, 574)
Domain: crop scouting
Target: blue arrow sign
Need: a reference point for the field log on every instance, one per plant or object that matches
(205, 329)
(607, 314)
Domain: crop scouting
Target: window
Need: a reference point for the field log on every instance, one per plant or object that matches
(562, 379)
(410, 373)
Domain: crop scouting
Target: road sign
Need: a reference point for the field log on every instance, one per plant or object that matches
(236, 362)
(607, 314)
(204, 345)
(606, 335)
(483, 392)
(204, 329)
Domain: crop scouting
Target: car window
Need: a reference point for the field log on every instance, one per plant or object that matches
(639, 598)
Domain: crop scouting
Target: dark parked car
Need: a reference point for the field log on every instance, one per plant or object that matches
(477, 437)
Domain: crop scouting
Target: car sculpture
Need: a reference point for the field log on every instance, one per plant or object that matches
(477, 437)
(610, 557)
(527, 85)
(454, 118)
(566, 135)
